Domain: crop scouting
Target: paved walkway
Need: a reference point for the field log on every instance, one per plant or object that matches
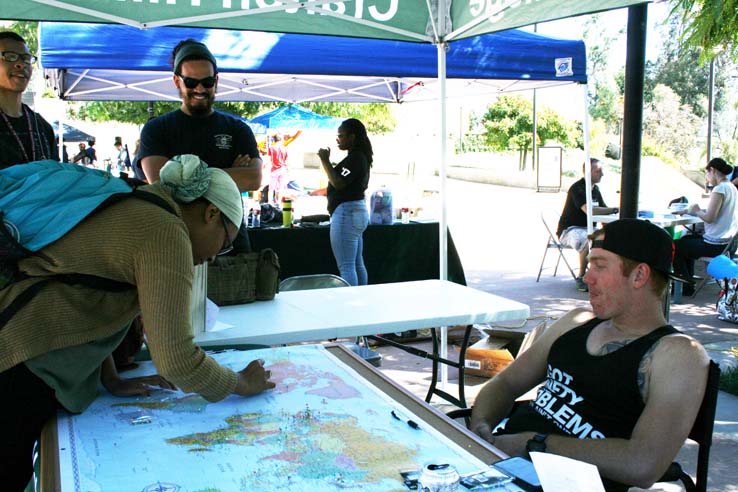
(500, 238)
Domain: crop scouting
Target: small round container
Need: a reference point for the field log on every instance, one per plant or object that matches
(438, 478)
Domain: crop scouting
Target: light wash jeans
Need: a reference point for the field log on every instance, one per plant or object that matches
(348, 223)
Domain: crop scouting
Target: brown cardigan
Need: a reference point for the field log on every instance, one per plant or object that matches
(132, 241)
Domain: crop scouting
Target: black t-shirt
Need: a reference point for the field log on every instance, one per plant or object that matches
(354, 171)
(575, 198)
(41, 133)
(217, 139)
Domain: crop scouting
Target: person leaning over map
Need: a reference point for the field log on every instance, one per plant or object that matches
(620, 387)
(52, 349)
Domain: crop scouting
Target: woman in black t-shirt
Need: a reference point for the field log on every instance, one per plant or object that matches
(347, 182)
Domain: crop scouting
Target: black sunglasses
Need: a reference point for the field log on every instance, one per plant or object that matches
(190, 83)
(228, 247)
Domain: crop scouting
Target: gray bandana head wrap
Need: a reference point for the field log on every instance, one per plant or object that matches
(188, 178)
(193, 51)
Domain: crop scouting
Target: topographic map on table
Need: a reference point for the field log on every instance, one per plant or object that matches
(323, 428)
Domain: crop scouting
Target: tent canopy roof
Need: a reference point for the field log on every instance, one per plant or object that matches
(408, 20)
(115, 62)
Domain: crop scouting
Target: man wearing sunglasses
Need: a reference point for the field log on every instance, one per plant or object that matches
(24, 135)
(218, 138)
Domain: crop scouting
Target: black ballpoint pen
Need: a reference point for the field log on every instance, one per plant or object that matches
(409, 422)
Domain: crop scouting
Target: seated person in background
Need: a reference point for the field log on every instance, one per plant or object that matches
(55, 350)
(721, 223)
(572, 230)
(621, 388)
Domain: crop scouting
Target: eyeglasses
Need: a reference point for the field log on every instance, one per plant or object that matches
(228, 247)
(12, 56)
(190, 83)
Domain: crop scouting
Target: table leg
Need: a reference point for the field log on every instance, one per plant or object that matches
(436, 359)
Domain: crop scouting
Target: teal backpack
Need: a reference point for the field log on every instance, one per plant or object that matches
(42, 201)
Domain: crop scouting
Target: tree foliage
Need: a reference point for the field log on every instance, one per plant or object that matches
(508, 125)
(375, 116)
(28, 30)
(670, 124)
(679, 67)
(711, 25)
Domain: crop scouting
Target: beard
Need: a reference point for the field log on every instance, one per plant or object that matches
(198, 107)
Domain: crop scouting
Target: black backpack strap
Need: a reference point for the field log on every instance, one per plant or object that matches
(91, 281)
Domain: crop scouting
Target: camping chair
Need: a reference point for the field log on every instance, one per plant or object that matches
(701, 433)
(327, 281)
(554, 243)
(728, 251)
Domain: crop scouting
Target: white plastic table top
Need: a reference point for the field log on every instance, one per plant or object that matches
(322, 314)
(660, 219)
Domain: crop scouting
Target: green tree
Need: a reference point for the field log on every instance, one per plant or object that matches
(29, 31)
(710, 25)
(375, 116)
(679, 67)
(605, 100)
(508, 125)
(671, 125)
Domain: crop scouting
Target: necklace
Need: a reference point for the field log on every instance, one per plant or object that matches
(17, 138)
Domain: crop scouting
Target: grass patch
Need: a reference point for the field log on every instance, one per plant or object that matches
(729, 377)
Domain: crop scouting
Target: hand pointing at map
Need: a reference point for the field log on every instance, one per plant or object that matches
(253, 379)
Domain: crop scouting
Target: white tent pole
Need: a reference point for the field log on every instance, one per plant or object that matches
(443, 223)
(587, 167)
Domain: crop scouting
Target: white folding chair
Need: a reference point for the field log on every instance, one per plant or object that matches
(554, 243)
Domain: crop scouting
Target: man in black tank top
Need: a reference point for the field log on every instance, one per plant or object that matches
(620, 388)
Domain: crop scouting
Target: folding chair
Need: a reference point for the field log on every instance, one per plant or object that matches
(309, 282)
(554, 243)
(701, 433)
(728, 251)
(327, 281)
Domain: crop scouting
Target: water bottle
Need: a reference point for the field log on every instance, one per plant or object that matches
(405, 215)
(286, 212)
(257, 218)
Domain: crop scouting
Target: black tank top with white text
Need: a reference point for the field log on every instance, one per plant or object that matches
(588, 396)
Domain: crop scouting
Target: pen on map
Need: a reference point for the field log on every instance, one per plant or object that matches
(409, 422)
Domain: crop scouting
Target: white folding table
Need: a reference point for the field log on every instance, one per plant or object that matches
(322, 314)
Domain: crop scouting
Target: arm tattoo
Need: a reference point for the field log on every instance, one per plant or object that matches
(644, 371)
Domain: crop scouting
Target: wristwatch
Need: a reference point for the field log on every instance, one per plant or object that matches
(537, 444)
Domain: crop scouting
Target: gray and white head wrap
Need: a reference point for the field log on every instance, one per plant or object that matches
(188, 178)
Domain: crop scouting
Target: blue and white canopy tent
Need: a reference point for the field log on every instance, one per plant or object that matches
(115, 62)
(293, 117)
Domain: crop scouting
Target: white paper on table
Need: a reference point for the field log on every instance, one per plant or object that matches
(211, 314)
(561, 474)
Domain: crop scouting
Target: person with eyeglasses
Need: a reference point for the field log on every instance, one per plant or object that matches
(52, 350)
(25, 136)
